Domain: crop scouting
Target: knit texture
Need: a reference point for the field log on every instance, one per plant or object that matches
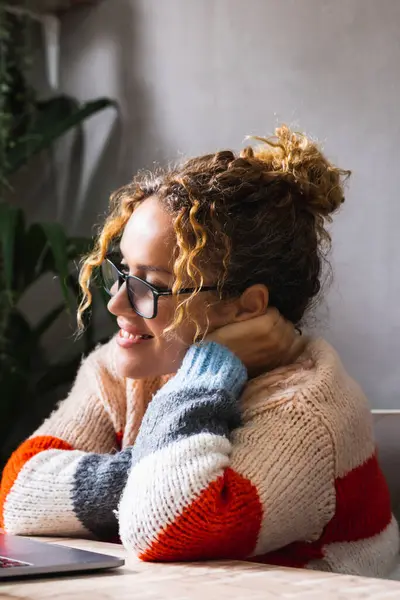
(206, 464)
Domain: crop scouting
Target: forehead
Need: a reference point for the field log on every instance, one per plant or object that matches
(149, 236)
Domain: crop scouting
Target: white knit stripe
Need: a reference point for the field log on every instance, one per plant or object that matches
(164, 483)
(376, 556)
(40, 501)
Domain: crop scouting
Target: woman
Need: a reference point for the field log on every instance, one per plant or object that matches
(260, 447)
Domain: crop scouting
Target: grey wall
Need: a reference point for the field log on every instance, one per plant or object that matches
(194, 75)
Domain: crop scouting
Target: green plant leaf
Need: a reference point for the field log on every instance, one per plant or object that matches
(38, 258)
(78, 247)
(54, 118)
(19, 345)
(57, 241)
(11, 220)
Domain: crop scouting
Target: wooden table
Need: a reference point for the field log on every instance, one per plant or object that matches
(198, 581)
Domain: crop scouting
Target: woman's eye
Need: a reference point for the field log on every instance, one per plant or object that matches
(159, 285)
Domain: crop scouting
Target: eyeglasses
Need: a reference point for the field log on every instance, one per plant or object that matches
(143, 297)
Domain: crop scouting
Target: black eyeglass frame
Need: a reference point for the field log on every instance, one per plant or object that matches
(157, 292)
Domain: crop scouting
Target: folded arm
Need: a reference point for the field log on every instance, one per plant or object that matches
(68, 477)
(210, 480)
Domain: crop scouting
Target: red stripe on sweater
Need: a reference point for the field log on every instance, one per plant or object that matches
(363, 510)
(363, 507)
(223, 522)
(118, 437)
(20, 457)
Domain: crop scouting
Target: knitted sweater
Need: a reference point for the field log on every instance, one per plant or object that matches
(211, 467)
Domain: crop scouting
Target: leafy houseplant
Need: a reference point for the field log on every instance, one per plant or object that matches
(29, 125)
(27, 376)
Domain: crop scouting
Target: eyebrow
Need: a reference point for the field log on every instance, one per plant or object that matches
(152, 269)
(147, 268)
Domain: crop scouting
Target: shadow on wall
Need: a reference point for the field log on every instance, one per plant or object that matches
(102, 53)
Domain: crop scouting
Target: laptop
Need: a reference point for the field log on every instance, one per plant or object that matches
(21, 557)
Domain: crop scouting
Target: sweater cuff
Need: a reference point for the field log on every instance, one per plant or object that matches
(210, 366)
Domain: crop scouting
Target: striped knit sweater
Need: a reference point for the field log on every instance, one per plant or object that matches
(209, 465)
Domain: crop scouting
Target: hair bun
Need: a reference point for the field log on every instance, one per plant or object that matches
(317, 185)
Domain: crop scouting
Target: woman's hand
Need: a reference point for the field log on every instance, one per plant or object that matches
(263, 343)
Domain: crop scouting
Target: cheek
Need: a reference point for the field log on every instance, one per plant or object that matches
(209, 314)
(182, 336)
(208, 317)
(164, 318)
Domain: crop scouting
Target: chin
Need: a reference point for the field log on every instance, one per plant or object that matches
(133, 363)
(132, 366)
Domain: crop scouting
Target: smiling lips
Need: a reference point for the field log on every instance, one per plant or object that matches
(129, 335)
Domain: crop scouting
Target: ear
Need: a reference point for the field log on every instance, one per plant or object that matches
(252, 303)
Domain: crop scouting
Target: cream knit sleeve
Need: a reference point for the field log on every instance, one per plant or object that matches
(50, 485)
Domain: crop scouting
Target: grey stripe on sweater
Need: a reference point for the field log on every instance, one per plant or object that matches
(99, 483)
(173, 416)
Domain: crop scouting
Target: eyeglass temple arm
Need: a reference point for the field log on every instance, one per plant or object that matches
(187, 291)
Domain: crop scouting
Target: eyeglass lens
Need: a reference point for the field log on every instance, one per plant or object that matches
(140, 295)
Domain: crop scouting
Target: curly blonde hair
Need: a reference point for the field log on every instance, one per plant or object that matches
(257, 217)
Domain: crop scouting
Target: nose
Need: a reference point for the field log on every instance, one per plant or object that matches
(119, 304)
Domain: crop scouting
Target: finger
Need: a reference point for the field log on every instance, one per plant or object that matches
(283, 333)
(273, 330)
(273, 316)
(271, 319)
